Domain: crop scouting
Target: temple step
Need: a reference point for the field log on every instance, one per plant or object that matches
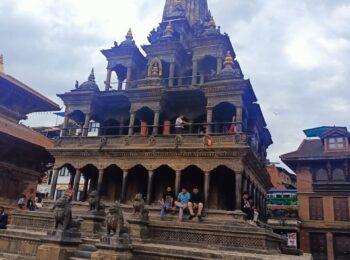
(85, 252)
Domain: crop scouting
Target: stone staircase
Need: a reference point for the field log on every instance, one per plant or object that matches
(84, 252)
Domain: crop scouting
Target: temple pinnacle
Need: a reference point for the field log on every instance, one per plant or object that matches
(228, 60)
(92, 75)
(1, 64)
(129, 35)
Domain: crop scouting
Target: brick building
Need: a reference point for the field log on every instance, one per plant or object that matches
(281, 179)
(19, 172)
(322, 166)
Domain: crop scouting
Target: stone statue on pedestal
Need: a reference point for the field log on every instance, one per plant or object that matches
(141, 211)
(95, 205)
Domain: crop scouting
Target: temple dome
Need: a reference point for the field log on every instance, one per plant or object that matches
(90, 84)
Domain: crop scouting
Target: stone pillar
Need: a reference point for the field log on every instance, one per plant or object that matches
(86, 125)
(171, 74)
(219, 65)
(54, 184)
(121, 128)
(76, 184)
(125, 175)
(254, 196)
(251, 187)
(245, 185)
(99, 182)
(128, 77)
(202, 78)
(86, 184)
(330, 246)
(149, 186)
(132, 122)
(209, 120)
(156, 122)
(65, 125)
(177, 182)
(120, 83)
(194, 72)
(206, 187)
(238, 204)
(108, 80)
(239, 119)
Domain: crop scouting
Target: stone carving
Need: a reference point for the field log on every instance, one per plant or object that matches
(178, 141)
(115, 220)
(103, 142)
(155, 68)
(126, 141)
(152, 141)
(63, 219)
(140, 210)
(95, 205)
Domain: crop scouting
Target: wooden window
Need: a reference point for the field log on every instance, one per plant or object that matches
(321, 175)
(318, 246)
(336, 143)
(341, 209)
(316, 208)
(338, 175)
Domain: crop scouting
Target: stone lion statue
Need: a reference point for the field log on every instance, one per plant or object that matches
(115, 220)
(140, 209)
(94, 202)
(63, 219)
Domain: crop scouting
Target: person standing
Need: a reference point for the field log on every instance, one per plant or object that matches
(180, 124)
(182, 201)
(196, 203)
(166, 202)
(3, 218)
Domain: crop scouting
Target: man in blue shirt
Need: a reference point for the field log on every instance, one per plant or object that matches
(182, 201)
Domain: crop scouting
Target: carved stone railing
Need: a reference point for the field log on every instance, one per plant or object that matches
(162, 141)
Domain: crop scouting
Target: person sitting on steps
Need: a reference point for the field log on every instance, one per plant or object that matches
(166, 202)
(196, 203)
(247, 206)
(182, 202)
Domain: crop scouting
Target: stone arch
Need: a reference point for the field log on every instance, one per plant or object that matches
(164, 176)
(222, 189)
(192, 176)
(136, 182)
(112, 183)
(156, 62)
(207, 66)
(223, 115)
(90, 173)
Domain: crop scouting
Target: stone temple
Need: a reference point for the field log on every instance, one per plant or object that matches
(120, 138)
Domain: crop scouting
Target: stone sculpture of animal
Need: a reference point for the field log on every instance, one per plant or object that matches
(115, 220)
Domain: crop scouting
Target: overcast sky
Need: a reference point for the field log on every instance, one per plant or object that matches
(296, 52)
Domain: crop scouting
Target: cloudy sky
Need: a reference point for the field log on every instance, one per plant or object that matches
(296, 52)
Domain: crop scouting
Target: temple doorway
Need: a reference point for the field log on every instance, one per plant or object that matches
(163, 177)
(191, 177)
(112, 183)
(136, 182)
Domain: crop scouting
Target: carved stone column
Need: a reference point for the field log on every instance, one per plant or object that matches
(239, 118)
(54, 184)
(156, 122)
(65, 124)
(86, 124)
(149, 186)
(125, 175)
(76, 184)
(245, 185)
(194, 72)
(132, 122)
(209, 120)
(128, 77)
(108, 80)
(99, 182)
(85, 190)
(171, 74)
(177, 182)
(238, 204)
(121, 128)
(206, 187)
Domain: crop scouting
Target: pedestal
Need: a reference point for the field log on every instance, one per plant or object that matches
(114, 248)
(138, 229)
(239, 215)
(92, 224)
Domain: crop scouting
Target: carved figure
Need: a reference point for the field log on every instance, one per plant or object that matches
(115, 220)
(63, 216)
(94, 202)
(140, 209)
(155, 68)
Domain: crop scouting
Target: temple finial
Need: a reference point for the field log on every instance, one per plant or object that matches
(228, 60)
(1, 64)
(129, 35)
(92, 75)
(212, 23)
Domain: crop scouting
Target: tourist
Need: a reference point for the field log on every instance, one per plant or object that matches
(180, 124)
(68, 193)
(166, 202)
(21, 203)
(247, 206)
(3, 218)
(182, 201)
(196, 203)
(31, 205)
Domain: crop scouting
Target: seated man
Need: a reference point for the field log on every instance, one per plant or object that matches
(247, 206)
(196, 202)
(3, 218)
(182, 201)
(166, 202)
(21, 203)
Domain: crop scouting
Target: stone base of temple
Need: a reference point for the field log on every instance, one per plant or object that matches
(221, 235)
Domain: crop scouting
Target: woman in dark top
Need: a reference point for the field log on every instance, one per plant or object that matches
(3, 218)
(166, 202)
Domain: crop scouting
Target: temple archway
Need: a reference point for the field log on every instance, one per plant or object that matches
(191, 177)
(222, 189)
(136, 182)
(223, 114)
(90, 173)
(163, 177)
(144, 119)
(112, 183)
